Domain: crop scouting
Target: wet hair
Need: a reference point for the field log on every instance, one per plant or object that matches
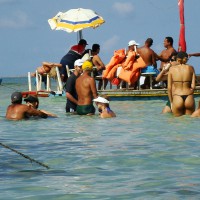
(95, 47)
(170, 40)
(182, 54)
(182, 57)
(149, 41)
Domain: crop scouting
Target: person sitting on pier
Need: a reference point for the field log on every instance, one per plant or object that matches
(149, 57)
(19, 111)
(98, 63)
(46, 68)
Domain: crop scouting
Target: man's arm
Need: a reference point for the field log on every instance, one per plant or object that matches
(161, 75)
(159, 57)
(33, 112)
(70, 86)
(48, 113)
(71, 98)
(154, 63)
(193, 54)
(93, 88)
(97, 61)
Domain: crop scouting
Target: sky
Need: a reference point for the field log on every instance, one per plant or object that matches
(26, 39)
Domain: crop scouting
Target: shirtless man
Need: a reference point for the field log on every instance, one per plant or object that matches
(147, 54)
(181, 84)
(149, 57)
(167, 52)
(18, 111)
(86, 90)
(97, 62)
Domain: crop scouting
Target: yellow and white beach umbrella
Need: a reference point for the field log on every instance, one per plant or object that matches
(75, 20)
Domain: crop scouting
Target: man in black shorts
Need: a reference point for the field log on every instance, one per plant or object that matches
(71, 95)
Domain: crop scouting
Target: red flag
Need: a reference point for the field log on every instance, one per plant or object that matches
(182, 42)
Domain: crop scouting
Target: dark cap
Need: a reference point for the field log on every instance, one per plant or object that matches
(16, 97)
(82, 41)
(31, 98)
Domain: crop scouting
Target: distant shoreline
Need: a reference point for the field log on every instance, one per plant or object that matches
(14, 76)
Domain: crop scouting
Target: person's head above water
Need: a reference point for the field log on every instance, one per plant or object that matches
(16, 97)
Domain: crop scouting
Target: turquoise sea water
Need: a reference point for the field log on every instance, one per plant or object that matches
(140, 154)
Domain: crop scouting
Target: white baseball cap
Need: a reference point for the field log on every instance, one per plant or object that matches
(101, 100)
(78, 63)
(133, 42)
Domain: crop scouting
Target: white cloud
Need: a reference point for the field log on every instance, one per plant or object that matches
(110, 43)
(18, 20)
(123, 8)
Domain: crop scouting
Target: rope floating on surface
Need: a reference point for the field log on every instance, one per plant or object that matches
(25, 156)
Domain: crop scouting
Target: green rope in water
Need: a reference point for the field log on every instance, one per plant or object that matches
(25, 156)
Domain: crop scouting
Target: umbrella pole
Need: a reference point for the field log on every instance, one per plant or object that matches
(80, 35)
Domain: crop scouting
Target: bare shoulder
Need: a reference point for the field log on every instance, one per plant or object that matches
(95, 56)
(191, 66)
(106, 114)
